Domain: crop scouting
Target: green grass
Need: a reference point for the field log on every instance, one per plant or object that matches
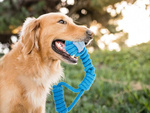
(122, 83)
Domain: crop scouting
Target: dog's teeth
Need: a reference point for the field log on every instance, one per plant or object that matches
(59, 45)
(72, 57)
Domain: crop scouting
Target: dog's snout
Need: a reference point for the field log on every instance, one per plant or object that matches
(89, 36)
(89, 33)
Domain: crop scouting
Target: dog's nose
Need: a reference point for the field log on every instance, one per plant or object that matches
(89, 36)
(89, 33)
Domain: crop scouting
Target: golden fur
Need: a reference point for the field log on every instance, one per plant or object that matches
(29, 70)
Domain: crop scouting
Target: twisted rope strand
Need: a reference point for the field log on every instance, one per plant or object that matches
(59, 99)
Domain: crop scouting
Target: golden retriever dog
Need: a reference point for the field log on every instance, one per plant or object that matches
(29, 70)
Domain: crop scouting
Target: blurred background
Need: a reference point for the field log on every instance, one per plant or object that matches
(120, 50)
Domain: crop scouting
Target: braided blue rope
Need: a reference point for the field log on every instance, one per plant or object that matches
(77, 49)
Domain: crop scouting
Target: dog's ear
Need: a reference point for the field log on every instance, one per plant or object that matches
(30, 35)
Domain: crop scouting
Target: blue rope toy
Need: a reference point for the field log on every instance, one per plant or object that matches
(77, 49)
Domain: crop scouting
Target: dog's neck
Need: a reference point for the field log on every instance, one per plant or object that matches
(32, 76)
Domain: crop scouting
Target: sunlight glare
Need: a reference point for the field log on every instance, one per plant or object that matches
(104, 31)
(114, 46)
(64, 10)
(6, 50)
(63, 0)
(1, 0)
(113, 13)
(101, 45)
(1, 50)
(107, 42)
(108, 38)
(136, 22)
(94, 29)
(13, 39)
(90, 49)
(70, 2)
(84, 12)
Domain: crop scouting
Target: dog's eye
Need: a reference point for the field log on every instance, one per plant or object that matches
(62, 22)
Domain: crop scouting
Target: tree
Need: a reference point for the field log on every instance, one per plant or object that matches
(14, 12)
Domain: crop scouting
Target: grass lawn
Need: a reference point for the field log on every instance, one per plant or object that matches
(122, 83)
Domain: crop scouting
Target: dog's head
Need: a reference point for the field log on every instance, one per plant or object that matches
(47, 34)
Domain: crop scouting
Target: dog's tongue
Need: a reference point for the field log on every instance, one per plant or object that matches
(60, 45)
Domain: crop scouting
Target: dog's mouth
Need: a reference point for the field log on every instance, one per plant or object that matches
(59, 47)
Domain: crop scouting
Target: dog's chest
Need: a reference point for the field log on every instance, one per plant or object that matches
(38, 94)
(37, 97)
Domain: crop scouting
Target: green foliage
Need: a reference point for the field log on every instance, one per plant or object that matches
(12, 15)
(116, 88)
(100, 4)
(14, 12)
